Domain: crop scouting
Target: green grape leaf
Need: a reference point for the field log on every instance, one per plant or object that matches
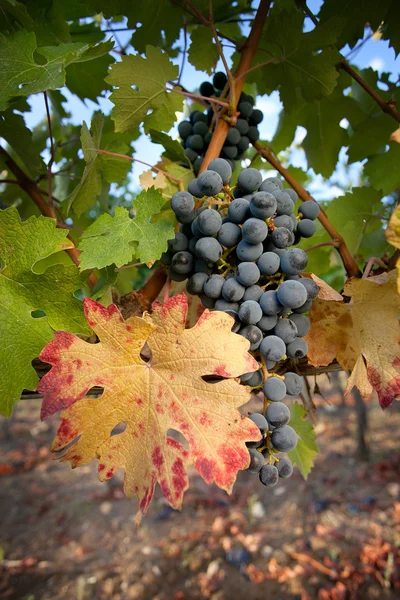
(87, 79)
(161, 21)
(306, 450)
(115, 240)
(383, 171)
(366, 102)
(50, 21)
(285, 131)
(21, 74)
(57, 99)
(356, 14)
(370, 136)
(325, 137)
(391, 30)
(306, 61)
(100, 169)
(140, 84)
(302, 426)
(106, 279)
(303, 457)
(173, 149)
(299, 174)
(203, 53)
(352, 213)
(15, 16)
(24, 291)
(19, 137)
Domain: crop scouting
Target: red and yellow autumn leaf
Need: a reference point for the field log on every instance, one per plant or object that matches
(392, 234)
(363, 335)
(166, 392)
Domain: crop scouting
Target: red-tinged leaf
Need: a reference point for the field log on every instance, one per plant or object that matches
(167, 392)
(362, 334)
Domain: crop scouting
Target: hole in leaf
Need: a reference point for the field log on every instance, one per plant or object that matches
(96, 391)
(146, 353)
(39, 58)
(59, 453)
(38, 314)
(119, 428)
(212, 378)
(178, 437)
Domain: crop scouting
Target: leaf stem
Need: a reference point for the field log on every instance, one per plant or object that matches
(334, 243)
(199, 97)
(349, 263)
(52, 150)
(129, 266)
(153, 168)
(167, 290)
(371, 261)
(263, 64)
(184, 52)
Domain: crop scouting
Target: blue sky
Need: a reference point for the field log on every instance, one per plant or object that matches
(376, 54)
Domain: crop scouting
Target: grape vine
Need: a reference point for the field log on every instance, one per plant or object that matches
(294, 275)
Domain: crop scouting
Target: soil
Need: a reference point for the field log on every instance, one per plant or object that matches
(64, 535)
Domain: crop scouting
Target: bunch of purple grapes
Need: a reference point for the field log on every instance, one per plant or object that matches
(234, 250)
(276, 436)
(196, 132)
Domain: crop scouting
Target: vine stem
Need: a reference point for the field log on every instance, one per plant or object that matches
(205, 103)
(152, 167)
(349, 263)
(198, 97)
(387, 107)
(35, 193)
(155, 283)
(151, 289)
(247, 53)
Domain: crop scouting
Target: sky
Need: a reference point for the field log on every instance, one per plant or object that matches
(376, 54)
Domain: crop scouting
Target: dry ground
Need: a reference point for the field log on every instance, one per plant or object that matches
(63, 535)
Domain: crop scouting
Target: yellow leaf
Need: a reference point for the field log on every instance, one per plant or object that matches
(395, 136)
(147, 180)
(393, 237)
(363, 335)
(150, 398)
(326, 292)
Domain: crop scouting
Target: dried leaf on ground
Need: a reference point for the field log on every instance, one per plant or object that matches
(167, 392)
(363, 335)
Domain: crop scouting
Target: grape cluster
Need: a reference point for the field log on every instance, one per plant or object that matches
(276, 434)
(196, 132)
(233, 247)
